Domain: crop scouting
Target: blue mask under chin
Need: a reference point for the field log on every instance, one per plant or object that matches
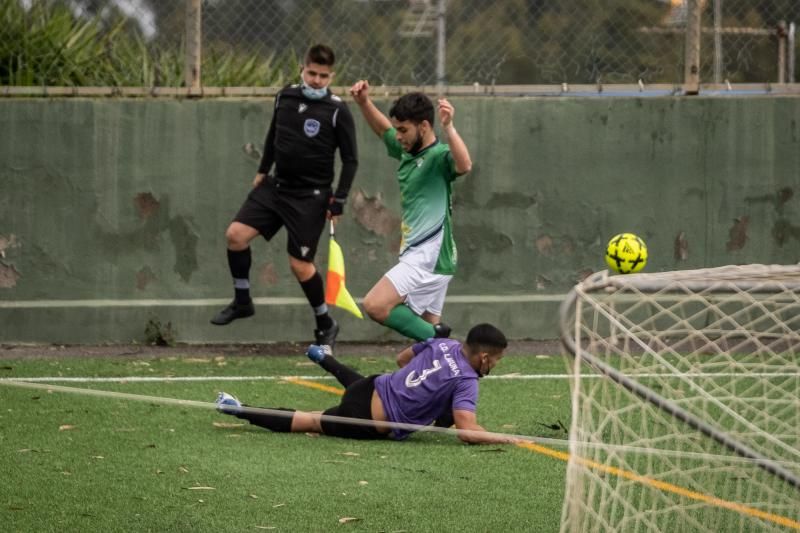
(312, 93)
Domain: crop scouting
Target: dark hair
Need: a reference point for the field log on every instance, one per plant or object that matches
(321, 55)
(486, 337)
(415, 107)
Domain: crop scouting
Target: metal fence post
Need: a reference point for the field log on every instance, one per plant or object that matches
(781, 33)
(791, 44)
(691, 67)
(717, 41)
(441, 40)
(194, 44)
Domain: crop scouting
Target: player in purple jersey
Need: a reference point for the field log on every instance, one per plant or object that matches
(440, 376)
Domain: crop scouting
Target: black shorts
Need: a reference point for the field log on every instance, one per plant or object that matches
(269, 207)
(356, 403)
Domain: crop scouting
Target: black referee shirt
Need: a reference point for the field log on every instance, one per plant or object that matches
(302, 141)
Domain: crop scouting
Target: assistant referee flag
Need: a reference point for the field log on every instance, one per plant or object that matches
(335, 291)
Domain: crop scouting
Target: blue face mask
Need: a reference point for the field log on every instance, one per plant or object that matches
(312, 93)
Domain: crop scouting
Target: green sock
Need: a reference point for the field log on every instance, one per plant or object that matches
(403, 320)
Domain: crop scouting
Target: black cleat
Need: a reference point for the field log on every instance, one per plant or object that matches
(327, 336)
(232, 312)
(441, 331)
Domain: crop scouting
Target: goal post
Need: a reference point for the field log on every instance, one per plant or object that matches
(685, 400)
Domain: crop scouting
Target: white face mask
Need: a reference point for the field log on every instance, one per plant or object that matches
(312, 93)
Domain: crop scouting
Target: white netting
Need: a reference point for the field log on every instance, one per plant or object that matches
(702, 376)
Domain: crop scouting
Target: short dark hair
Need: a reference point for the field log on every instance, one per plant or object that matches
(415, 107)
(486, 337)
(321, 55)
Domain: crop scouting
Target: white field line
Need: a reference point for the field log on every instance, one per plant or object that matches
(501, 377)
(268, 301)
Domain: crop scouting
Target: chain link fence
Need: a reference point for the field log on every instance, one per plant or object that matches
(248, 43)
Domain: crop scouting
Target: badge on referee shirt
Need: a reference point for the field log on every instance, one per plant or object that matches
(311, 127)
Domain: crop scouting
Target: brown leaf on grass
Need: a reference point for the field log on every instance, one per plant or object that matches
(200, 488)
(197, 360)
(278, 505)
(348, 519)
(65, 427)
(227, 425)
(254, 496)
(219, 358)
(350, 454)
(312, 435)
(362, 483)
(97, 457)
(183, 469)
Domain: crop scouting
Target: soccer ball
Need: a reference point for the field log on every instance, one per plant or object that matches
(626, 253)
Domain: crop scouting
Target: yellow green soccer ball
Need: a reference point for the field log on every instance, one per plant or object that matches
(626, 253)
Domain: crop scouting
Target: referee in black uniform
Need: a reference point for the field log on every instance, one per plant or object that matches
(308, 125)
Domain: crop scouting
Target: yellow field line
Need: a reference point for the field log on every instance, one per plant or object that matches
(654, 483)
(315, 385)
(667, 487)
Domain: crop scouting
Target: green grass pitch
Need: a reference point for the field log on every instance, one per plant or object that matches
(73, 462)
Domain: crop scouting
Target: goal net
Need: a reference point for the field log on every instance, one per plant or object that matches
(685, 401)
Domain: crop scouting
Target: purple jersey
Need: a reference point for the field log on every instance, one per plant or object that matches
(438, 379)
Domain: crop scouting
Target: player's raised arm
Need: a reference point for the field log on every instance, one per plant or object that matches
(376, 120)
(458, 149)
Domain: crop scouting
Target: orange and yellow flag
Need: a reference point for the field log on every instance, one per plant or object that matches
(335, 291)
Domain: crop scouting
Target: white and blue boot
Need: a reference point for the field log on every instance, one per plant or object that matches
(317, 352)
(228, 404)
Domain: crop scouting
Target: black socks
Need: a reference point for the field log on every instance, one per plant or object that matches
(277, 423)
(239, 263)
(314, 290)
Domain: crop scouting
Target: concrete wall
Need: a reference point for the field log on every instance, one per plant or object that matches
(112, 212)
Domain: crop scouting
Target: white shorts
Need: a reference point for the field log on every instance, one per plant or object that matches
(424, 291)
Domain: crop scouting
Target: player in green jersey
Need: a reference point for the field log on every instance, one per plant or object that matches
(410, 297)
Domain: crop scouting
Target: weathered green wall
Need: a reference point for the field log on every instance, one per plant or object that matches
(113, 212)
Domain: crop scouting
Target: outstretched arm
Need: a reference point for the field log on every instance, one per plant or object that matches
(477, 434)
(458, 149)
(376, 120)
(405, 357)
